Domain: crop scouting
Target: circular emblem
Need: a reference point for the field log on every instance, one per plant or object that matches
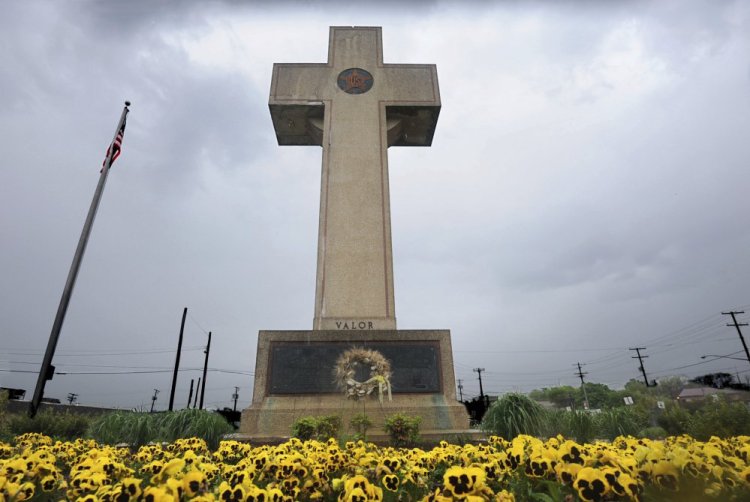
(355, 81)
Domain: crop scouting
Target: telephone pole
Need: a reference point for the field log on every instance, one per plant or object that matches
(177, 360)
(190, 396)
(72, 397)
(205, 368)
(580, 375)
(235, 396)
(195, 401)
(739, 332)
(640, 360)
(481, 390)
(461, 390)
(153, 400)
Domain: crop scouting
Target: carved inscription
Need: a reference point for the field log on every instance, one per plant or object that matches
(354, 325)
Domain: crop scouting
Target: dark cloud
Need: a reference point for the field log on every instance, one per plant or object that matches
(585, 188)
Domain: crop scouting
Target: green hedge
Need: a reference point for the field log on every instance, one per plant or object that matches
(61, 425)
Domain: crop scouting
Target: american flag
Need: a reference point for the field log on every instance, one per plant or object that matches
(116, 147)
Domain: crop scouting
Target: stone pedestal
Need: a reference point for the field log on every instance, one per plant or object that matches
(294, 378)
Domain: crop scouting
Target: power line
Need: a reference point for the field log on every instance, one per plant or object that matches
(109, 372)
(74, 365)
(197, 324)
(689, 365)
(97, 354)
(514, 351)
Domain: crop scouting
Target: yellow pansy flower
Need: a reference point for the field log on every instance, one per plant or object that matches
(591, 484)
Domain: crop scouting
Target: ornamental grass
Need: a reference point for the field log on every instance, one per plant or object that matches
(33, 466)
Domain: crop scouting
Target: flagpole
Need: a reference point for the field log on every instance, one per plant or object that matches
(47, 370)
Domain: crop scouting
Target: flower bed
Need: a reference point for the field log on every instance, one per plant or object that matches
(679, 468)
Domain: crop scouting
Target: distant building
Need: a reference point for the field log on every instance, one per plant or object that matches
(22, 407)
(698, 394)
(14, 394)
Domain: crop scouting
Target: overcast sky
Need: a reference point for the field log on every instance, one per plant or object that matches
(586, 190)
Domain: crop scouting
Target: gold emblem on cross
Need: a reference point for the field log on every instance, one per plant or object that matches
(355, 81)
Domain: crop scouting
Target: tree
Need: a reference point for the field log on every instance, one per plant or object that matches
(716, 380)
(562, 396)
(601, 396)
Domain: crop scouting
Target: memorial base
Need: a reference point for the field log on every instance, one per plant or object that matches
(294, 378)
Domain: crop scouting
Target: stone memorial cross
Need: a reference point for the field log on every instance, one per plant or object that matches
(355, 107)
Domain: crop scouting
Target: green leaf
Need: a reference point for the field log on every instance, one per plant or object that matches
(542, 497)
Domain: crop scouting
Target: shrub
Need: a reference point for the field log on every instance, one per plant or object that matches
(193, 423)
(652, 433)
(403, 429)
(619, 422)
(675, 420)
(554, 422)
(719, 418)
(304, 428)
(58, 425)
(580, 425)
(4, 429)
(514, 414)
(360, 423)
(328, 427)
(137, 429)
(320, 428)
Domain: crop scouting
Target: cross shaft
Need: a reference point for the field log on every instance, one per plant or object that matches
(354, 107)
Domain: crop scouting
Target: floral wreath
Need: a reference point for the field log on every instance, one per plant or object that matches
(380, 374)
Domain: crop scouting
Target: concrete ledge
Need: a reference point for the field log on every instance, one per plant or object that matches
(428, 438)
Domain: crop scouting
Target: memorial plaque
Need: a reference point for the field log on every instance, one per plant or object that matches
(307, 368)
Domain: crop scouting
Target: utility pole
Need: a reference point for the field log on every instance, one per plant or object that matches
(580, 374)
(190, 396)
(195, 401)
(177, 360)
(640, 360)
(235, 396)
(481, 390)
(72, 396)
(153, 400)
(205, 368)
(461, 390)
(739, 332)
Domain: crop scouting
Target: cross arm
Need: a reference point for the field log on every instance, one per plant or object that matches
(412, 116)
(296, 102)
